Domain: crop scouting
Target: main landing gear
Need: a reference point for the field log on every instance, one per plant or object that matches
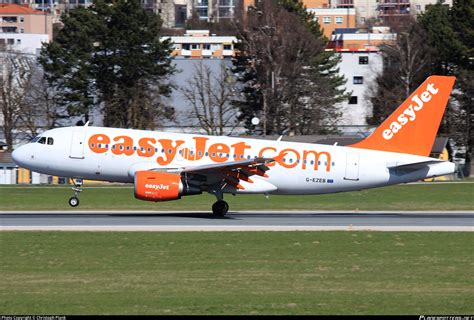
(220, 207)
(74, 200)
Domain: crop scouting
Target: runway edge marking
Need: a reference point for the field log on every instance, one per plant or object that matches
(241, 228)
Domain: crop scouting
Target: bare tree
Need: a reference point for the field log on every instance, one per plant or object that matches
(210, 96)
(27, 103)
(15, 80)
(41, 109)
(406, 66)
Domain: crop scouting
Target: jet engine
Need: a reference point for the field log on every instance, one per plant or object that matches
(162, 186)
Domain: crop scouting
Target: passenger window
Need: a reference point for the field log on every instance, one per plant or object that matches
(42, 140)
(50, 141)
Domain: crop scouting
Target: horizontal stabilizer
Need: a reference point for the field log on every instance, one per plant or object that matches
(411, 166)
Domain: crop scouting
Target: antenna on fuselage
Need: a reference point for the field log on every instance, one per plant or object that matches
(87, 124)
(279, 138)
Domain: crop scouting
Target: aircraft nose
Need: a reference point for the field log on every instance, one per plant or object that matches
(19, 156)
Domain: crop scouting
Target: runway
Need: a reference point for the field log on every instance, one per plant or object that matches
(237, 221)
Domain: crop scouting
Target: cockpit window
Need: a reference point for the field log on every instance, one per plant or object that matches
(50, 141)
(42, 140)
(35, 139)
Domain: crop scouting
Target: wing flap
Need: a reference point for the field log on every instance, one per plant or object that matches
(234, 172)
(232, 165)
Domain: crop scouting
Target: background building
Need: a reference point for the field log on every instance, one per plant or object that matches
(24, 29)
(360, 67)
(333, 18)
(350, 39)
(199, 44)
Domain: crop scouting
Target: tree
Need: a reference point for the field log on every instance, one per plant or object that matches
(40, 110)
(462, 19)
(284, 70)
(449, 48)
(210, 97)
(110, 55)
(14, 83)
(451, 35)
(26, 102)
(68, 61)
(407, 63)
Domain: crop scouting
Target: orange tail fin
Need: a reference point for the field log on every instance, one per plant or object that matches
(413, 126)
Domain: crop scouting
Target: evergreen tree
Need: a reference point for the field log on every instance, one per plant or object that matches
(462, 20)
(68, 62)
(250, 100)
(111, 53)
(436, 21)
(440, 42)
(322, 87)
(289, 81)
(451, 35)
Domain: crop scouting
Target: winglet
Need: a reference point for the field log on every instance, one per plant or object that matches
(412, 127)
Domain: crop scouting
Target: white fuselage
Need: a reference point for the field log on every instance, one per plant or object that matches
(110, 154)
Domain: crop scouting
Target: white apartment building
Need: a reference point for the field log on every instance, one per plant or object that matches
(360, 68)
(24, 43)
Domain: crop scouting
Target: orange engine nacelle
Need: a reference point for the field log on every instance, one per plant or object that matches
(162, 186)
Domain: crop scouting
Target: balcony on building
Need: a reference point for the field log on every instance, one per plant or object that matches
(394, 7)
(345, 3)
(9, 19)
(200, 44)
(9, 30)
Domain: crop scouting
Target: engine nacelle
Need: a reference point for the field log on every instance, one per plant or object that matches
(162, 186)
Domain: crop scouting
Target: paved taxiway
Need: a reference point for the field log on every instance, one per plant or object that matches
(238, 221)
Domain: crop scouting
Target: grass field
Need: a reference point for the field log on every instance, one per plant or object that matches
(236, 273)
(435, 196)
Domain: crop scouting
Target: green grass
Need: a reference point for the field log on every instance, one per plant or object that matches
(435, 196)
(236, 273)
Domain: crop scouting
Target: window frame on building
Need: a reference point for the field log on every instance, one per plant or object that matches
(363, 59)
(353, 100)
(327, 19)
(357, 80)
(339, 20)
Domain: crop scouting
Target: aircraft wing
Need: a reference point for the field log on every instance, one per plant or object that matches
(232, 172)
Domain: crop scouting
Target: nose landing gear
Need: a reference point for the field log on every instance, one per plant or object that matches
(74, 200)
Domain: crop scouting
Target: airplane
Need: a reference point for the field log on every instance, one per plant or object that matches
(165, 166)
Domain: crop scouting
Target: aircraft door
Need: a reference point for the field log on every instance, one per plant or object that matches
(352, 166)
(77, 144)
